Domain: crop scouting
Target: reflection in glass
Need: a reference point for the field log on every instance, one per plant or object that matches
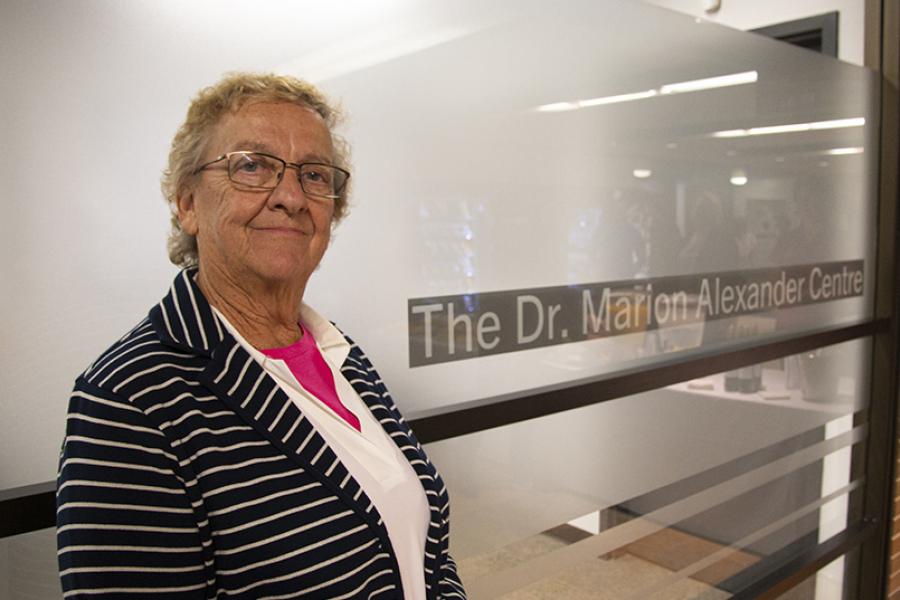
(694, 490)
(28, 567)
(530, 165)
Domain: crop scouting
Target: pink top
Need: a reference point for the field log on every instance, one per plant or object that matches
(313, 373)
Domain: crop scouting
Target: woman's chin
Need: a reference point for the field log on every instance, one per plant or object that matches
(284, 272)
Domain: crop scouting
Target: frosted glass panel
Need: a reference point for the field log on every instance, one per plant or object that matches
(565, 193)
(702, 485)
(28, 567)
(518, 147)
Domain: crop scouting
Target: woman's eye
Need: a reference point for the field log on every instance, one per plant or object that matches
(245, 163)
(316, 176)
(254, 170)
(250, 164)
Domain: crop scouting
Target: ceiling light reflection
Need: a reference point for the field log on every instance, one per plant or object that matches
(840, 151)
(791, 128)
(616, 99)
(695, 85)
(710, 83)
(558, 107)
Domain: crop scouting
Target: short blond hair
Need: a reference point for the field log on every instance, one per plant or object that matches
(207, 109)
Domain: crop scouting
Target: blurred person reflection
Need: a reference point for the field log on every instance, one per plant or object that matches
(711, 243)
(619, 245)
(803, 233)
(747, 244)
(663, 240)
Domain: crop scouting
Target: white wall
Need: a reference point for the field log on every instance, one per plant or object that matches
(92, 94)
(751, 14)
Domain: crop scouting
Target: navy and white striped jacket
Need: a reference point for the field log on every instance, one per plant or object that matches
(187, 472)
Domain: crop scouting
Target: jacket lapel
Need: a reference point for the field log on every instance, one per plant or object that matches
(362, 376)
(185, 319)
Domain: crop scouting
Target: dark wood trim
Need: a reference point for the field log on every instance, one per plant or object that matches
(873, 565)
(28, 508)
(872, 35)
(485, 414)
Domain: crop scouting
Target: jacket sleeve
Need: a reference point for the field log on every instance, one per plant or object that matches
(451, 585)
(125, 524)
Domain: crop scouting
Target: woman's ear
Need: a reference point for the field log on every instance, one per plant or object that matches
(187, 214)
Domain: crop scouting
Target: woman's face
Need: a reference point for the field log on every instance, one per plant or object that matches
(261, 237)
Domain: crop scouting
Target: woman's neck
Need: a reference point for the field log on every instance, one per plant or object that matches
(267, 316)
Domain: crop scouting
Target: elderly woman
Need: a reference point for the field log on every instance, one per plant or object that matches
(235, 443)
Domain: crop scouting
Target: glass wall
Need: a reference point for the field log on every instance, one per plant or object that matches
(545, 194)
(28, 568)
(703, 486)
(569, 198)
(626, 181)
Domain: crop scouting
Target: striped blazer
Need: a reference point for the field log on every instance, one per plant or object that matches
(186, 472)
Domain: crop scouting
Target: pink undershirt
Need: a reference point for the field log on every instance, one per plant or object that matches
(313, 373)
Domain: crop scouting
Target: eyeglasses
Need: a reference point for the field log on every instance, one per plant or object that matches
(261, 171)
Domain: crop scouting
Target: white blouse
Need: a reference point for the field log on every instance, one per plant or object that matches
(370, 455)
